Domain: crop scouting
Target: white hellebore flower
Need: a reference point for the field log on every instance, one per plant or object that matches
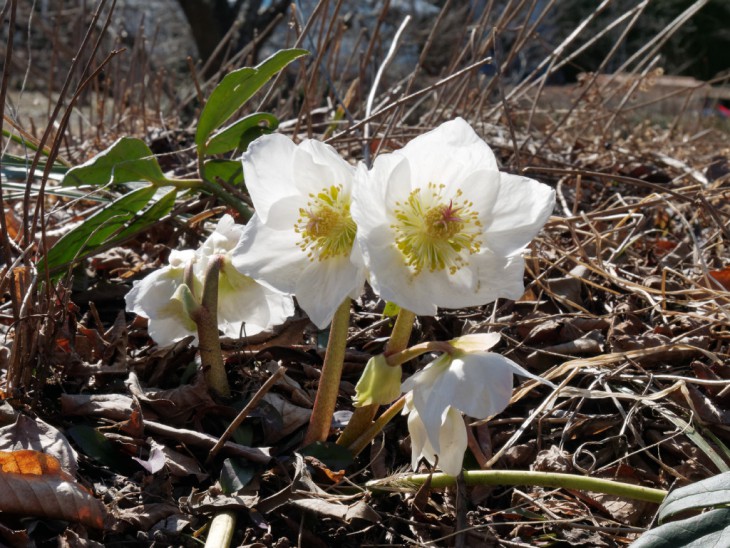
(241, 301)
(440, 226)
(300, 241)
(472, 381)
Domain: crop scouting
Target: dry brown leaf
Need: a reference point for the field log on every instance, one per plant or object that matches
(213, 499)
(143, 517)
(33, 484)
(343, 512)
(722, 277)
(28, 433)
(111, 406)
(292, 416)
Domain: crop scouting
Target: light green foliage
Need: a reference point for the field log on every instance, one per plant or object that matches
(235, 90)
(106, 226)
(239, 134)
(130, 160)
(228, 171)
(711, 528)
(127, 160)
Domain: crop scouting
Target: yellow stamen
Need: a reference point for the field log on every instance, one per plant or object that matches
(436, 234)
(325, 225)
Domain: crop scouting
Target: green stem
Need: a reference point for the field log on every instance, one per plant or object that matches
(362, 417)
(376, 427)
(202, 184)
(517, 477)
(221, 531)
(401, 332)
(419, 349)
(206, 318)
(242, 209)
(329, 382)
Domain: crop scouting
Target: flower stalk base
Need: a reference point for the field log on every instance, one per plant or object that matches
(206, 318)
(361, 421)
(329, 382)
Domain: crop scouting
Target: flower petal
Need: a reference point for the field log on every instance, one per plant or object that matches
(379, 383)
(322, 286)
(325, 155)
(149, 296)
(479, 384)
(476, 342)
(311, 177)
(269, 256)
(522, 207)
(421, 447)
(428, 399)
(268, 169)
(447, 155)
(248, 308)
(453, 442)
(166, 331)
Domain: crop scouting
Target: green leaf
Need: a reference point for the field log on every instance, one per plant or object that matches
(239, 134)
(127, 160)
(235, 89)
(11, 160)
(712, 492)
(96, 230)
(235, 476)
(93, 444)
(150, 216)
(229, 171)
(708, 529)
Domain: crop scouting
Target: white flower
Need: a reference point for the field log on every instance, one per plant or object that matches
(451, 441)
(475, 382)
(242, 303)
(300, 241)
(440, 226)
(152, 297)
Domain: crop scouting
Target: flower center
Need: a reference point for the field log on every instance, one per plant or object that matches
(436, 234)
(325, 225)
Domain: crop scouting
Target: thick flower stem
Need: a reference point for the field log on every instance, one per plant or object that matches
(417, 350)
(221, 530)
(206, 318)
(517, 477)
(329, 382)
(401, 332)
(362, 419)
(376, 427)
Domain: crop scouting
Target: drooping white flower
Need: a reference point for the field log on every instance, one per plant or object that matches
(440, 226)
(300, 241)
(243, 305)
(451, 441)
(470, 380)
(152, 297)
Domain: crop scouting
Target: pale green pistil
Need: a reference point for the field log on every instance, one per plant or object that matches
(434, 233)
(325, 225)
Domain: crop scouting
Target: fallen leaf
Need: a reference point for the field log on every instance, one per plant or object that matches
(34, 484)
(722, 277)
(143, 517)
(27, 433)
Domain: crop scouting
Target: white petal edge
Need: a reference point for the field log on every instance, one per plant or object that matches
(453, 442)
(322, 286)
(268, 170)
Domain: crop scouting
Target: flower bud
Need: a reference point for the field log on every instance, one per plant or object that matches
(379, 383)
